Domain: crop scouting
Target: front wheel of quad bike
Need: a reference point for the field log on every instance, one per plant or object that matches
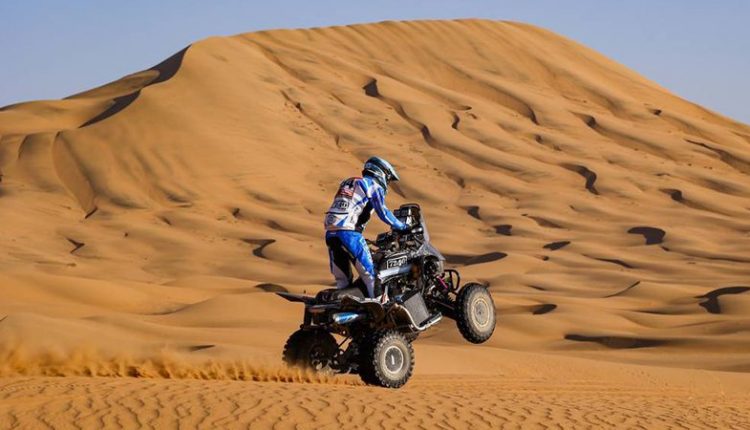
(386, 360)
(475, 313)
(311, 349)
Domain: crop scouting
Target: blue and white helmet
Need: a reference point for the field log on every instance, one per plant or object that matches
(380, 170)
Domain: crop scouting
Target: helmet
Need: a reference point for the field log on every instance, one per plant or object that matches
(380, 170)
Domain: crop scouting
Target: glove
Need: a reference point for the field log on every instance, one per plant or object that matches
(403, 228)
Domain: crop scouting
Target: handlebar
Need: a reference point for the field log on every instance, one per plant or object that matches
(415, 229)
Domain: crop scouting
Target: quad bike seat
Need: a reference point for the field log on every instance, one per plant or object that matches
(333, 294)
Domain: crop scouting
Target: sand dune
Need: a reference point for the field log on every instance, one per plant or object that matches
(154, 216)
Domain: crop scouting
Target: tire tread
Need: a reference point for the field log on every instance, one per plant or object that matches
(462, 321)
(302, 340)
(370, 372)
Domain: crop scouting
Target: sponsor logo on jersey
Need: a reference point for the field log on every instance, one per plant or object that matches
(340, 204)
(346, 192)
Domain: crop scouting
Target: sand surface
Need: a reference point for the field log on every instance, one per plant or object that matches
(145, 225)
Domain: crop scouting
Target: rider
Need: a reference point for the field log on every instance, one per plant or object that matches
(347, 217)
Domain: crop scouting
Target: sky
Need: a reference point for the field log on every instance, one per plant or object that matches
(50, 49)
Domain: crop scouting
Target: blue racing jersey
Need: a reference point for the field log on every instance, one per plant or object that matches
(353, 205)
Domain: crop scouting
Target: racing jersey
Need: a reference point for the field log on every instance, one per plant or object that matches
(353, 205)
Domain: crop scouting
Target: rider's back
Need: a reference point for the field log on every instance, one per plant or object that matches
(352, 206)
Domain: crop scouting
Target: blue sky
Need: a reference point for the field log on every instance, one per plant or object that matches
(51, 49)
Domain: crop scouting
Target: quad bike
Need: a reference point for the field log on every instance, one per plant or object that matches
(378, 336)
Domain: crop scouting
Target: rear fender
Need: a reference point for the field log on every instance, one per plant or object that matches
(297, 298)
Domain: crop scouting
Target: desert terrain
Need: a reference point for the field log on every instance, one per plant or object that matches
(146, 224)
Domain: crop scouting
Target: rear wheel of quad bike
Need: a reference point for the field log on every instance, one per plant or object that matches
(387, 359)
(310, 349)
(475, 313)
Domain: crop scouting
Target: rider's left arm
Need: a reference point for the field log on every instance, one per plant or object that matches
(385, 214)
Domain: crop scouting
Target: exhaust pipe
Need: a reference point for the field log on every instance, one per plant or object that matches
(347, 317)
